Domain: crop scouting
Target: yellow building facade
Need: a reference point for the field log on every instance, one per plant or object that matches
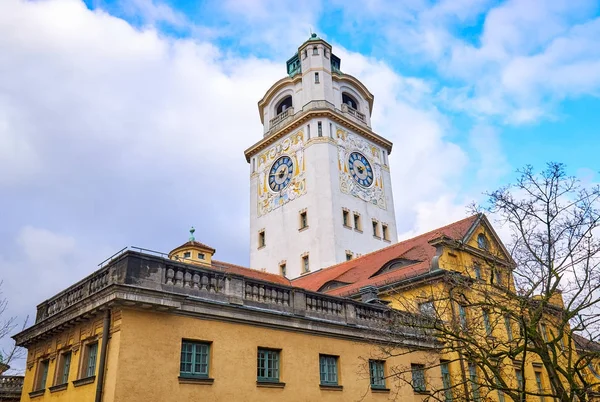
(123, 334)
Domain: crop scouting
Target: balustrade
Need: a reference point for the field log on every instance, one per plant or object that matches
(324, 304)
(263, 293)
(353, 112)
(195, 279)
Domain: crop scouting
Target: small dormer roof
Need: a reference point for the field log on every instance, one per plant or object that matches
(192, 243)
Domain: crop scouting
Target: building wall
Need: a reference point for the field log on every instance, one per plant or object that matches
(73, 339)
(149, 357)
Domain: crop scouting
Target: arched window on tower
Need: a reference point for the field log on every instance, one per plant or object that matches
(350, 101)
(285, 104)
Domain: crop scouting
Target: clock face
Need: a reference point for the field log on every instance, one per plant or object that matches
(281, 173)
(360, 169)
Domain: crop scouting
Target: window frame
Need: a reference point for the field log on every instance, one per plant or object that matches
(345, 216)
(384, 232)
(305, 264)
(356, 221)
(446, 381)
(418, 380)
(317, 80)
(540, 384)
(277, 360)
(187, 254)
(262, 239)
(283, 269)
(328, 370)
(42, 374)
(487, 322)
(377, 374)
(482, 242)
(204, 352)
(90, 359)
(375, 228)
(474, 380)
(63, 368)
(508, 327)
(303, 220)
(201, 256)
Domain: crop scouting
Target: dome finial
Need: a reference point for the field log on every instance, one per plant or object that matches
(192, 230)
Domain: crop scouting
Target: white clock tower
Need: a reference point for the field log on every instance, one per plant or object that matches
(320, 188)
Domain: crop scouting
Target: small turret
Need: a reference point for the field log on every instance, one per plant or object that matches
(193, 251)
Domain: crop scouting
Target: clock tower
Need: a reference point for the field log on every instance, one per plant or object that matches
(320, 188)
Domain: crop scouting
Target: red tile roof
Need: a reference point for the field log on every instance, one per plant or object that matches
(248, 272)
(359, 271)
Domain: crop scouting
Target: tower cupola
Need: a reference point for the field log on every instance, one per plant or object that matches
(193, 251)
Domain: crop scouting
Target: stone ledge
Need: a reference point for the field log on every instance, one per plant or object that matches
(84, 381)
(331, 387)
(196, 380)
(270, 384)
(380, 390)
(39, 392)
(59, 387)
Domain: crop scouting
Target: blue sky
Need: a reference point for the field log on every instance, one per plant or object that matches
(123, 122)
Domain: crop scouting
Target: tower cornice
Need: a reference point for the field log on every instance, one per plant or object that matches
(325, 110)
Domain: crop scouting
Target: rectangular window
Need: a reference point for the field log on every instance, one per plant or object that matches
(303, 220)
(261, 239)
(544, 331)
(446, 381)
(308, 131)
(345, 217)
(540, 387)
(508, 326)
(200, 256)
(64, 366)
(90, 362)
(477, 270)
(519, 375)
(418, 377)
(356, 221)
(375, 229)
(377, 374)
(500, 392)
(187, 254)
(328, 370)
(319, 129)
(462, 315)
(474, 382)
(331, 130)
(305, 264)
(499, 278)
(348, 256)
(283, 269)
(316, 78)
(267, 367)
(315, 51)
(42, 375)
(487, 323)
(384, 232)
(194, 359)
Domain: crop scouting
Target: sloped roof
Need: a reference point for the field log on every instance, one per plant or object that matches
(582, 343)
(193, 243)
(248, 272)
(359, 272)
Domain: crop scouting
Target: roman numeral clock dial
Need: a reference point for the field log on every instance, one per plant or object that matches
(360, 169)
(281, 173)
